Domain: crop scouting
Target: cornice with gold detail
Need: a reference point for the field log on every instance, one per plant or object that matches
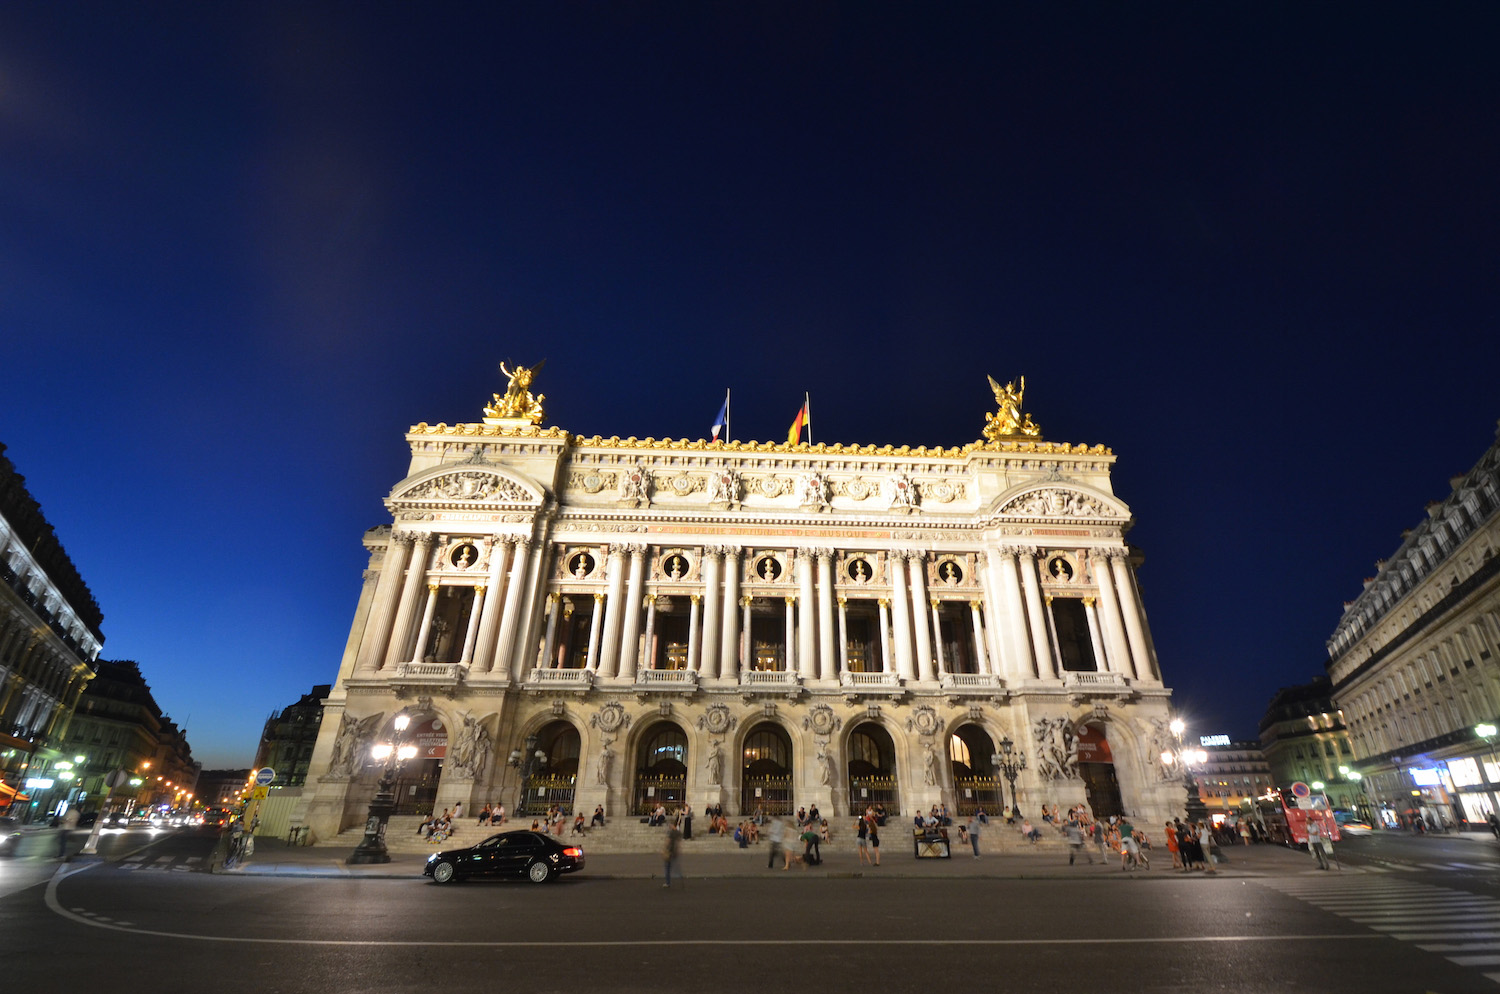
(488, 430)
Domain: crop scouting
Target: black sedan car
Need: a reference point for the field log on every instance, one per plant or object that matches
(537, 857)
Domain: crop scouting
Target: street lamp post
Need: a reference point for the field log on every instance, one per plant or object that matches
(526, 761)
(1184, 759)
(395, 753)
(1010, 764)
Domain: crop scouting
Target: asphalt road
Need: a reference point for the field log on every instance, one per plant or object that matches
(145, 920)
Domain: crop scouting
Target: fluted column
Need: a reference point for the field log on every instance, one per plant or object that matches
(713, 610)
(507, 658)
(595, 623)
(1036, 617)
(886, 662)
(648, 658)
(695, 632)
(1114, 626)
(827, 661)
(937, 638)
(1021, 659)
(533, 605)
(917, 570)
(489, 617)
(901, 616)
(745, 648)
(1096, 636)
(630, 652)
(1130, 607)
(981, 660)
(843, 637)
(406, 610)
(424, 630)
(807, 622)
(467, 657)
(377, 633)
(729, 652)
(549, 649)
(790, 651)
(1055, 652)
(609, 652)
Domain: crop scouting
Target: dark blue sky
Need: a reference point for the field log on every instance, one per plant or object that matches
(1251, 247)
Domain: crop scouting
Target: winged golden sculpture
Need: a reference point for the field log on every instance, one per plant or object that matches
(1009, 420)
(517, 403)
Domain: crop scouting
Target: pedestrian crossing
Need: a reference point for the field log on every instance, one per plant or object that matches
(1462, 927)
(164, 864)
(1393, 866)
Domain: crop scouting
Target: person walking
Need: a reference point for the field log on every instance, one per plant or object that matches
(68, 823)
(875, 841)
(670, 853)
(1315, 839)
(1074, 832)
(1206, 846)
(1172, 846)
(1099, 838)
(862, 839)
(776, 834)
(973, 829)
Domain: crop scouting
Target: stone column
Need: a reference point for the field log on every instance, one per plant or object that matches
(807, 623)
(549, 650)
(729, 651)
(630, 651)
(648, 658)
(489, 619)
(843, 636)
(988, 564)
(1036, 618)
(595, 623)
(886, 663)
(917, 569)
(695, 633)
(473, 629)
(424, 630)
(533, 604)
(981, 660)
(901, 616)
(1130, 607)
(1096, 636)
(609, 652)
(937, 637)
(790, 651)
(828, 661)
(713, 611)
(507, 658)
(395, 650)
(1114, 630)
(1056, 653)
(745, 601)
(1022, 662)
(377, 634)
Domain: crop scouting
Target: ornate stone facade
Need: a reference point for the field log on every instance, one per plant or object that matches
(628, 621)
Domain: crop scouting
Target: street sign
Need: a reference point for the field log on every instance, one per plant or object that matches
(1301, 789)
(260, 793)
(117, 779)
(265, 775)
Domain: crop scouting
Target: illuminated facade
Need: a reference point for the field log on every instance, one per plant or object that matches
(626, 622)
(49, 640)
(1413, 660)
(1304, 739)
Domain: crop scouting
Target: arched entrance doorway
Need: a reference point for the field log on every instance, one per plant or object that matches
(766, 771)
(660, 768)
(554, 774)
(1096, 765)
(417, 784)
(975, 785)
(872, 770)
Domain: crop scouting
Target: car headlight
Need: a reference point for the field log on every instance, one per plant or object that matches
(432, 857)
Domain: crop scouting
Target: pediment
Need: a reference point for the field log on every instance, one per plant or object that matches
(1061, 501)
(466, 485)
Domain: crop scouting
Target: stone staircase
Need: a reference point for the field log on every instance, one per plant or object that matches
(628, 835)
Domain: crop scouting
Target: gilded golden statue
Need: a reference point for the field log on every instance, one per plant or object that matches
(517, 403)
(1009, 420)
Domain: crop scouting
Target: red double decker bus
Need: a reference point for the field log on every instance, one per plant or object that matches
(1291, 808)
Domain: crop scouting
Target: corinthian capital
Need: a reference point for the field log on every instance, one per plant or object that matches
(404, 538)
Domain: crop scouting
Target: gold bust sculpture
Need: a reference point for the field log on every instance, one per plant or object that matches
(1009, 421)
(517, 403)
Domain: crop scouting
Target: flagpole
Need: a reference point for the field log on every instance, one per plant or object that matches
(726, 417)
(807, 415)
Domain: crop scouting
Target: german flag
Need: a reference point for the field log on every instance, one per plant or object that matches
(803, 420)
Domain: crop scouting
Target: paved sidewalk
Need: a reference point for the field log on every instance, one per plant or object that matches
(275, 858)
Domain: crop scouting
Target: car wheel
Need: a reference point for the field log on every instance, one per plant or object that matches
(538, 872)
(443, 873)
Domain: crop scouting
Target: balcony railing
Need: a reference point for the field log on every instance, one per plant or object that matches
(1101, 681)
(431, 672)
(577, 679)
(970, 681)
(871, 681)
(769, 678)
(667, 679)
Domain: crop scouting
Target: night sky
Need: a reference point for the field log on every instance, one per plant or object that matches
(243, 247)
